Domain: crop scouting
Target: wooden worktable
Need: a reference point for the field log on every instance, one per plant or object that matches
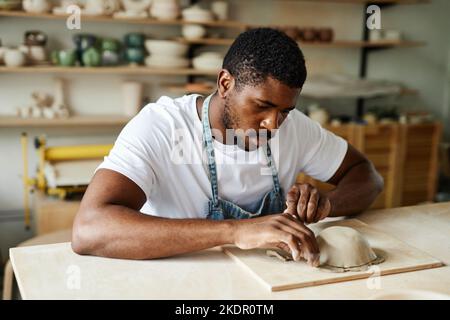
(51, 271)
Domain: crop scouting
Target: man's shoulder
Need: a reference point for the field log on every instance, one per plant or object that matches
(298, 121)
(163, 116)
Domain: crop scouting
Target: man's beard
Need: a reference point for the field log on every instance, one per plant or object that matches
(229, 119)
(231, 123)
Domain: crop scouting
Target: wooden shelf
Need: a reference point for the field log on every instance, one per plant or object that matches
(147, 21)
(181, 89)
(74, 121)
(362, 44)
(334, 44)
(139, 70)
(372, 2)
(206, 41)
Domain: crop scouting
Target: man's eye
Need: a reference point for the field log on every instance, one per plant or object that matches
(286, 111)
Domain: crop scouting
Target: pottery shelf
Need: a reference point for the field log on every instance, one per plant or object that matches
(181, 89)
(74, 121)
(140, 70)
(379, 2)
(333, 44)
(147, 21)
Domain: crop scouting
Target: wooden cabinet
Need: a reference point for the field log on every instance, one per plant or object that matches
(405, 155)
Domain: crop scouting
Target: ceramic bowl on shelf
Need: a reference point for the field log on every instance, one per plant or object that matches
(130, 15)
(64, 5)
(14, 57)
(196, 13)
(210, 61)
(157, 61)
(165, 9)
(166, 47)
(193, 31)
(36, 6)
(136, 6)
(65, 58)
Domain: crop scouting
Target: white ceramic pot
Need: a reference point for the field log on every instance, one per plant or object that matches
(36, 6)
(101, 7)
(220, 9)
(132, 92)
(136, 6)
(166, 47)
(193, 31)
(65, 4)
(392, 35)
(196, 13)
(14, 58)
(165, 10)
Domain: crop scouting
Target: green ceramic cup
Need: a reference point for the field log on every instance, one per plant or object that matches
(65, 58)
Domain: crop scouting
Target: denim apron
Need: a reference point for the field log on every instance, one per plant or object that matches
(219, 209)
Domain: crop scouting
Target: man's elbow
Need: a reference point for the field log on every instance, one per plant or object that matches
(84, 241)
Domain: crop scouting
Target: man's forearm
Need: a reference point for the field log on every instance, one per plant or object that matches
(120, 232)
(356, 191)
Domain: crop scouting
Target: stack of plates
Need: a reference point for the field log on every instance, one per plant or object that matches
(166, 54)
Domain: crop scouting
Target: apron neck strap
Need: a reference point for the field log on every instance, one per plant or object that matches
(209, 147)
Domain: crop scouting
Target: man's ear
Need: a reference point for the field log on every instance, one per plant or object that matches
(225, 83)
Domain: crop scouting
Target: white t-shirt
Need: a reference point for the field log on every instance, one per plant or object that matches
(177, 184)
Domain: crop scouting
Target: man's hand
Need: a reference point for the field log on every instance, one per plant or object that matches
(278, 230)
(305, 202)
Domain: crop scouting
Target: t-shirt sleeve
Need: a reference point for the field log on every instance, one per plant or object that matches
(322, 152)
(133, 153)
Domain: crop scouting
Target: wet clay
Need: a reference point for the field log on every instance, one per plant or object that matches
(341, 249)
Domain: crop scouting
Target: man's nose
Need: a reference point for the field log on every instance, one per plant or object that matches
(271, 122)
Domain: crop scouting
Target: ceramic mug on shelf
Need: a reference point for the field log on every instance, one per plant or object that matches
(64, 58)
(134, 40)
(34, 53)
(14, 57)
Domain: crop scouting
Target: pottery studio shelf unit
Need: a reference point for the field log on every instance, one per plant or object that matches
(145, 21)
(364, 45)
(377, 2)
(73, 121)
(139, 70)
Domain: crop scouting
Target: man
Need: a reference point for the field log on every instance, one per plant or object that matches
(145, 202)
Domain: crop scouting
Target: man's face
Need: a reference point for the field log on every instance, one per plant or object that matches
(255, 112)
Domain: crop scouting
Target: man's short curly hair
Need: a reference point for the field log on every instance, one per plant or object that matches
(262, 52)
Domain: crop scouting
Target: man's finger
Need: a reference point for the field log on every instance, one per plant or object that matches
(298, 225)
(324, 208)
(308, 245)
(291, 200)
(303, 201)
(312, 207)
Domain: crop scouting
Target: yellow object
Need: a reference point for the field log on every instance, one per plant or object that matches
(53, 155)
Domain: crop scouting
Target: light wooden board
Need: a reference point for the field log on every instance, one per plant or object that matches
(277, 275)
